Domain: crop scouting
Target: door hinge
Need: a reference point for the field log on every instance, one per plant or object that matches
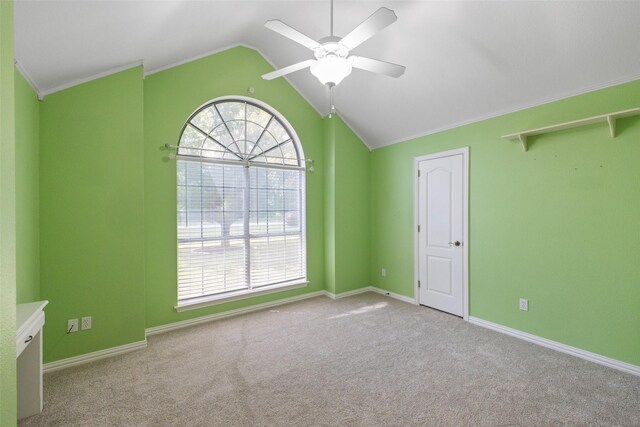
(418, 283)
(418, 173)
(418, 228)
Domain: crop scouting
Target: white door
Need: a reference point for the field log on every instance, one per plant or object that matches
(440, 233)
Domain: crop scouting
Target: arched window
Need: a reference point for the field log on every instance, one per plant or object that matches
(241, 199)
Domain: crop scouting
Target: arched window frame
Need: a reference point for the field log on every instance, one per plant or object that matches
(255, 159)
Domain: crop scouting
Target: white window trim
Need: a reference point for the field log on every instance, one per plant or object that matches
(215, 299)
(209, 300)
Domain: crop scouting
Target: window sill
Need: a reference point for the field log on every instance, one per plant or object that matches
(238, 295)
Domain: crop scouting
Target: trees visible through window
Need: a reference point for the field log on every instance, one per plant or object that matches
(241, 224)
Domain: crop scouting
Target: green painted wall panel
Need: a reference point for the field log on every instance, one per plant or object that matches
(352, 213)
(170, 97)
(27, 192)
(7, 220)
(347, 225)
(330, 203)
(91, 214)
(557, 225)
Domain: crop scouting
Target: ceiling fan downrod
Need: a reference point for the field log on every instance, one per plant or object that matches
(331, 18)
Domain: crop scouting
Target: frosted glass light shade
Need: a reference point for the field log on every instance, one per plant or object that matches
(331, 69)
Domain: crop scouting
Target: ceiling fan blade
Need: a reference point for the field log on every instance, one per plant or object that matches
(287, 70)
(377, 66)
(380, 19)
(291, 33)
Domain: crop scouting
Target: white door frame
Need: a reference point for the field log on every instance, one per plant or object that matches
(465, 224)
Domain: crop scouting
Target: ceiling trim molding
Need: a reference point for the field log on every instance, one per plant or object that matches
(79, 81)
(522, 107)
(25, 74)
(231, 46)
(149, 71)
(354, 131)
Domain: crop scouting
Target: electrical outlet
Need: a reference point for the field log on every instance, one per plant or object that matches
(86, 323)
(524, 304)
(72, 325)
(383, 272)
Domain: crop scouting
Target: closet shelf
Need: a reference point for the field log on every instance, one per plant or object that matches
(610, 119)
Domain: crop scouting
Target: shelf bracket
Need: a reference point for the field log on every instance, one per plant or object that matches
(612, 126)
(523, 140)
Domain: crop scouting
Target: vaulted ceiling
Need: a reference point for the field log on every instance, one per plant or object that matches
(465, 60)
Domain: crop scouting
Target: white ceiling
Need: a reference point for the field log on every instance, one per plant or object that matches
(465, 60)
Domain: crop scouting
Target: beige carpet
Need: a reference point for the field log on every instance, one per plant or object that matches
(361, 361)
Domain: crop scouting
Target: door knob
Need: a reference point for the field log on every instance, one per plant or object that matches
(456, 243)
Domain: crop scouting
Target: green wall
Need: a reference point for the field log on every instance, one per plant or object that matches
(347, 215)
(7, 221)
(353, 227)
(27, 192)
(557, 225)
(169, 98)
(330, 203)
(91, 214)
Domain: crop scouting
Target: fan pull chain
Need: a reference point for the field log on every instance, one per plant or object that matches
(332, 107)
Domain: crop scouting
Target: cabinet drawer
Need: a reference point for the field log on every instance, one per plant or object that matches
(30, 330)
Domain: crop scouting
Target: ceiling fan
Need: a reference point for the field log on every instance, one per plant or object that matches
(333, 62)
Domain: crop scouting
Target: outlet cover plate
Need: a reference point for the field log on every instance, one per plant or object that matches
(86, 323)
(72, 325)
(524, 304)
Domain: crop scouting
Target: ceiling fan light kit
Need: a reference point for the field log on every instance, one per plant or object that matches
(333, 63)
(331, 70)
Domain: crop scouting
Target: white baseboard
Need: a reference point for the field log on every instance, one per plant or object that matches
(348, 293)
(210, 318)
(370, 289)
(393, 295)
(583, 354)
(92, 357)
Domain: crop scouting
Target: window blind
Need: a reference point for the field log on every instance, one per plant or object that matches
(239, 227)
